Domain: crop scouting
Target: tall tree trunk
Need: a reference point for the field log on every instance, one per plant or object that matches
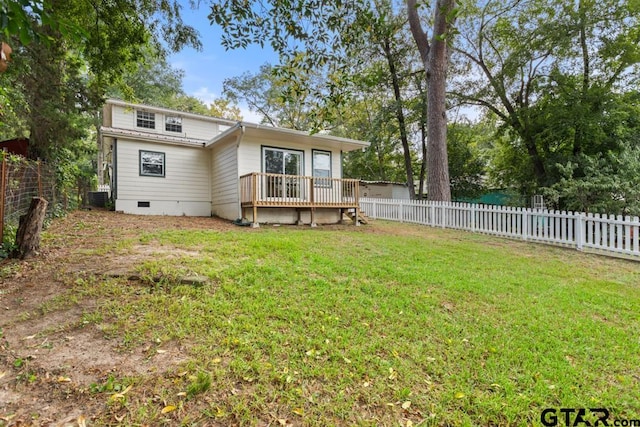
(539, 169)
(402, 125)
(423, 135)
(435, 58)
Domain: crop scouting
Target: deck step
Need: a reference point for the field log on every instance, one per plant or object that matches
(362, 217)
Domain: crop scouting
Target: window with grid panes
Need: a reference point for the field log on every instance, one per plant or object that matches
(145, 119)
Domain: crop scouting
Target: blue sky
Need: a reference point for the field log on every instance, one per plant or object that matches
(205, 70)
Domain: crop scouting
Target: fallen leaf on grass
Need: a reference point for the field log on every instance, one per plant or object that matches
(392, 374)
(2, 374)
(82, 421)
(120, 396)
(168, 408)
(406, 405)
(298, 411)
(459, 395)
(64, 379)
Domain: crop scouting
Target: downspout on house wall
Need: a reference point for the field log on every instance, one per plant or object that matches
(238, 140)
(114, 177)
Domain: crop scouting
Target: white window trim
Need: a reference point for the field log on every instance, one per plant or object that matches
(145, 119)
(166, 123)
(319, 182)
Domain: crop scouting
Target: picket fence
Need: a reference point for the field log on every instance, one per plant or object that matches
(607, 234)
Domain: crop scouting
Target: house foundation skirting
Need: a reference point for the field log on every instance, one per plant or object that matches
(292, 215)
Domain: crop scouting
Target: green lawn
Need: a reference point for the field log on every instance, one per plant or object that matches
(388, 324)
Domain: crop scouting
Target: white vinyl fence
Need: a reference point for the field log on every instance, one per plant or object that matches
(602, 233)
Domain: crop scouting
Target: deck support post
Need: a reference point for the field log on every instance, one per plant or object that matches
(356, 199)
(254, 200)
(313, 217)
(299, 210)
(255, 223)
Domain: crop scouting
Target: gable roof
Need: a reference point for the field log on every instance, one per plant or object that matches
(317, 140)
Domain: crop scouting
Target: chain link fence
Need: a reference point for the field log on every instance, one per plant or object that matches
(20, 181)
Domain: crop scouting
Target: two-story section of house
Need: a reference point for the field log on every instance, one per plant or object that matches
(167, 162)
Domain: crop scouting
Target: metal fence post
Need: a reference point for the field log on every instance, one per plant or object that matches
(39, 178)
(3, 192)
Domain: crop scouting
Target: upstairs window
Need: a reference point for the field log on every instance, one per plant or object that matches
(173, 124)
(146, 120)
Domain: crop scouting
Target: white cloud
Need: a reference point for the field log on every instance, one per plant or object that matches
(205, 95)
(249, 116)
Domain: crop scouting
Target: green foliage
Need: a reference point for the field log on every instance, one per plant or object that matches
(280, 101)
(466, 166)
(154, 81)
(606, 183)
(76, 170)
(110, 385)
(8, 245)
(558, 83)
(18, 17)
(368, 119)
(199, 384)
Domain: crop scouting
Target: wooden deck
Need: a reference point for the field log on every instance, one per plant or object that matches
(301, 192)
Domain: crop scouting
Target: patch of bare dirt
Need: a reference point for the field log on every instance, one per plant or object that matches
(49, 356)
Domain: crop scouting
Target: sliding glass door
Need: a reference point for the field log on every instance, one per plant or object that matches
(282, 162)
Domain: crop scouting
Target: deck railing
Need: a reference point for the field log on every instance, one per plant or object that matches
(277, 190)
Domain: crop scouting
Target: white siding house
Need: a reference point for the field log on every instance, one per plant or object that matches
(166, 162)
